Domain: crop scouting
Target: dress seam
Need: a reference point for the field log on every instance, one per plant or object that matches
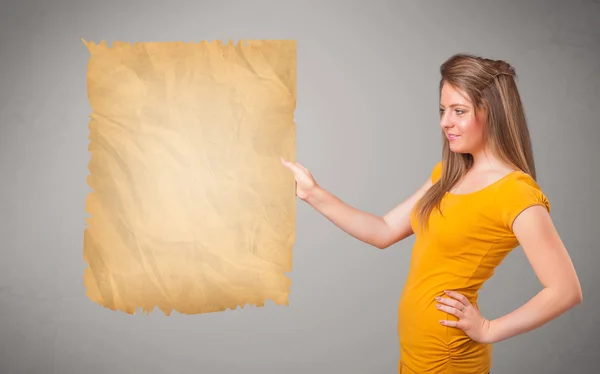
(483, 257)
(471, 276)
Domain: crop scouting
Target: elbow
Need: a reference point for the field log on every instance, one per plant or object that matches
(381, 246)
(578, 295)
(574, 296)
(567, 297)
(382, 242)
(575, 300)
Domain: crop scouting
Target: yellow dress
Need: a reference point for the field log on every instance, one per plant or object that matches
(458, 252)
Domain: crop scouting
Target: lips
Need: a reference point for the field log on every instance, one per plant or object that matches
(452, 136)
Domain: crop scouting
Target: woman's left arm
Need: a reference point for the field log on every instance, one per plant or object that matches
(548, 256)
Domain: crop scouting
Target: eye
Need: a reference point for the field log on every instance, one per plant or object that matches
(459, 112)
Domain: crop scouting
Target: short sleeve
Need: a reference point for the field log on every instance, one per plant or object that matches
(436, 173)
(522, 194)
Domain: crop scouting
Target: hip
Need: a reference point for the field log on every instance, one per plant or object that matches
(476, 359)
(428, 346)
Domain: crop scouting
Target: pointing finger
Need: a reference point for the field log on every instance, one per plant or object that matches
(290, 165)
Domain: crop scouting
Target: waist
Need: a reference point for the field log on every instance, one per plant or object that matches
(418, 317)
(428, 346)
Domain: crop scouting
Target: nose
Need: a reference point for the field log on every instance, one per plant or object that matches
(445, 121)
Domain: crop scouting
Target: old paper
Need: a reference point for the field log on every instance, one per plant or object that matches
(190, 209)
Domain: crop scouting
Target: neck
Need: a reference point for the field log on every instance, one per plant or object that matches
(485, 160)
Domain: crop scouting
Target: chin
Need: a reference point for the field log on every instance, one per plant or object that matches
(456, 149)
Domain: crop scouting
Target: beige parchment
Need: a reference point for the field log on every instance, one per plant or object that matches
(190, 209)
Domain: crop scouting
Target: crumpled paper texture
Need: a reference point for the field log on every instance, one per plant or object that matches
(190, 209)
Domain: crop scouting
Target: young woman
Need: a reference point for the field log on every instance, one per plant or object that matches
(481, 201)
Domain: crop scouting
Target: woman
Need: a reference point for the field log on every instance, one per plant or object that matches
(480, 202)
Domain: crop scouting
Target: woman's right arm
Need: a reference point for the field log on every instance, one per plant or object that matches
(380, 232)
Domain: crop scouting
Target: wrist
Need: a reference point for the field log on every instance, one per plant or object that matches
(315, 196)
(491, 335)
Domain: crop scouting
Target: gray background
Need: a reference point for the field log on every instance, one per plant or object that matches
(367, 127)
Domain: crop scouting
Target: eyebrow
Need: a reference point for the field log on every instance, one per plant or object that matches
(455, 105)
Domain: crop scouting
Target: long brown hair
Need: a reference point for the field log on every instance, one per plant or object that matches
(490, 85)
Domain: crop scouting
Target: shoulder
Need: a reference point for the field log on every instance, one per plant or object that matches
(523, 187)
(519, 192)
(436, 173)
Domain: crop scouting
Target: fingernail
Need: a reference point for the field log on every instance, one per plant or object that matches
(438, 298)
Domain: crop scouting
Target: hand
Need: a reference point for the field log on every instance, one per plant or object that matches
(305, 183)
(470, 319)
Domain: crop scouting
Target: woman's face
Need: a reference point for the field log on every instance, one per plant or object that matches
(464, 130)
